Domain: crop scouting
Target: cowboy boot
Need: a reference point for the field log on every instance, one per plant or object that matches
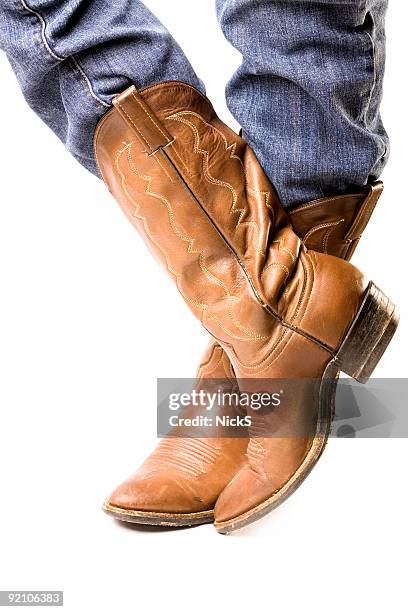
(180, 481)
(182, 478)
(279, 311)
(328, 225)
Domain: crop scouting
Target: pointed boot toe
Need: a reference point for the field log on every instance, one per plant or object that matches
(158, 497)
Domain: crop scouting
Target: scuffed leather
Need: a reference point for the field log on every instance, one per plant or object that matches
(184, 474)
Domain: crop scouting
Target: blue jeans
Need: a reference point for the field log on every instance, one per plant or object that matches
(307, 93)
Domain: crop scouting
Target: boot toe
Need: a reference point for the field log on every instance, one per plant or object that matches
(246, 494)
(246, 491)
(158, 492)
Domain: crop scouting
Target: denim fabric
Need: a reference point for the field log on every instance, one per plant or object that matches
(72, 56)
(309, 89)
(307, 94)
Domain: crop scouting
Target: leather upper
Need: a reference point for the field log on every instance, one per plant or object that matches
(335, 225)
(200, 198)
(186, 474)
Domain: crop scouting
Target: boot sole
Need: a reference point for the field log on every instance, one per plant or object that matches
(160, 519)
(365, 343)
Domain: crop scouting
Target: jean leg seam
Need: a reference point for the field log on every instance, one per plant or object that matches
(372, 67)
(43, 30)
(88, 81)
(59, 58)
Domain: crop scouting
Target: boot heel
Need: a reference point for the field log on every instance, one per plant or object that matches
(369, 335)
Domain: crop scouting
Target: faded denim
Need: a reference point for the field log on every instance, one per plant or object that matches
(307, 94)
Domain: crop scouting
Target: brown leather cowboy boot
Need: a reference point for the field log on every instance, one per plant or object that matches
(329, 225)
(210, 214)
(182, 478)
(180, 481)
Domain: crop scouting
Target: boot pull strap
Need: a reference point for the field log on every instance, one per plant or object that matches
(143, 121)
(365, 211)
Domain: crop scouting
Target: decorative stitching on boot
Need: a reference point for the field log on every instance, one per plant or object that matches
(251, 336)
(205, 154)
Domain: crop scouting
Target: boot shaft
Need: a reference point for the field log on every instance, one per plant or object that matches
(207, 210)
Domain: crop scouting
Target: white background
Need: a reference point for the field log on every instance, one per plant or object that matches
(81, 348)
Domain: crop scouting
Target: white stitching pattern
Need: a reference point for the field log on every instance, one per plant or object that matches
(251, 336)
(192, 456)
(205, 154)
(330, 225)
